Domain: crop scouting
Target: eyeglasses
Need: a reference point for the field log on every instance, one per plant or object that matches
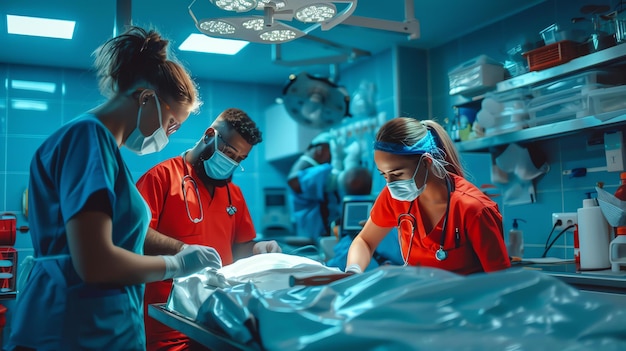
(173, 125)
(229, 150)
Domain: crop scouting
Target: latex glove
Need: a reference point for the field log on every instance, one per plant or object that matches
(266, 247)
(191, 259)
(353, 268)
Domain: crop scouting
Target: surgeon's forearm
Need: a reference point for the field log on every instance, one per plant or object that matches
(243, 250)
(359, 253)
(160, 244)
(97, 260)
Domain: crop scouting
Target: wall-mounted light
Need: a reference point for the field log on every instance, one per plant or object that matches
(269, 26)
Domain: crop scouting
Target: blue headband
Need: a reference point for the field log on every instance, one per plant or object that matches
(427, 144)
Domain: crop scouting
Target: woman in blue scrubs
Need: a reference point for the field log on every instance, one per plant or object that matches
(88, 221)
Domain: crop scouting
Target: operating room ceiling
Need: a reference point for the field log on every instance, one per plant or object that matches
(440, 21)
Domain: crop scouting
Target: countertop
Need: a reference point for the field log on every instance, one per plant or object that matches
(597, 280)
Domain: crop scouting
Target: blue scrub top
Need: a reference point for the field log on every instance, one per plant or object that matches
(307, 204)
(56, 310)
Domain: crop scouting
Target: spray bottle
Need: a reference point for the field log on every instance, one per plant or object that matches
(516, 240)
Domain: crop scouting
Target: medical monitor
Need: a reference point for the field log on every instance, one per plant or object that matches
(355, 210)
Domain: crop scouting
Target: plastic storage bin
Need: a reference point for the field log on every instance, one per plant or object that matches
(590, 79)
(504, 112)
(475, 76)
(607, 103)
(565, 105)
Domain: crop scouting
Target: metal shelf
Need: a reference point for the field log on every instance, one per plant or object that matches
(603, 57)
(538, 133)
(606, 57)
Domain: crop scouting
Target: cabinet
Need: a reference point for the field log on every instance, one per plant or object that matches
(284, 137)
(612, 56)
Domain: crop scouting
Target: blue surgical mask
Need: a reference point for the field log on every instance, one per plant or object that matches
(219, 166)
(406, 189)
(143, 145)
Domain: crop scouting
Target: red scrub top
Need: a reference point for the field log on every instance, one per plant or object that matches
(161, 187)
(479, 245)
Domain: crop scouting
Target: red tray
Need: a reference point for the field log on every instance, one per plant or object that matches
(554, 54)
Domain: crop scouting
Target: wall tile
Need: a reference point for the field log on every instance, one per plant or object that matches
(20, 151)
(3, 192)
(33, 122)
(15, 186)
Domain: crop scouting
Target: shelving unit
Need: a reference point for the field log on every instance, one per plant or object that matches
(611, 56)
(542, 132)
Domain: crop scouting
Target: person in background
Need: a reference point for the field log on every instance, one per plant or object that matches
(443, 220)
(357, 181)
(88, 222)
(193, 201)
(313, 182)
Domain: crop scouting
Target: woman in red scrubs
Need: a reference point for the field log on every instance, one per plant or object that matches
(443, 220)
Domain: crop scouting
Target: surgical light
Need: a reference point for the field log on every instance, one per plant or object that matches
(254, 24)
(272, 17)
(278, 35)
(316, 13)
(235, 5)
(218, 27)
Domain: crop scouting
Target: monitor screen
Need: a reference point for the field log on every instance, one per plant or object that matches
(274, 200)
(355, 212)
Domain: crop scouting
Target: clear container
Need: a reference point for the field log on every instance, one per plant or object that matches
(607, 103)
(565, 105)
(591, 79)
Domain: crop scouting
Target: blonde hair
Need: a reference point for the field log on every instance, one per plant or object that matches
(408, 131)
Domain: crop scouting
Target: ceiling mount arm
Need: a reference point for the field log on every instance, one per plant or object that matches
(347, 54)
(410, 25)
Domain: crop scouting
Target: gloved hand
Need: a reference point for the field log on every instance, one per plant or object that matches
(191, 259)
(266, 247)
(353, 268)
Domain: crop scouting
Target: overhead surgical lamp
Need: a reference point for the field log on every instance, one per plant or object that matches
(268, 27)
(315, 102)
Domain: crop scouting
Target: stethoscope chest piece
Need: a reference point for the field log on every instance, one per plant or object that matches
(231, 210)
(441, 254)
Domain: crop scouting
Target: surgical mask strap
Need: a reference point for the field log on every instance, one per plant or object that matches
(158, 106)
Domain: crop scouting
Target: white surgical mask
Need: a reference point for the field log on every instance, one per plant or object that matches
(143, 145)
(406, 189)
(219, 166)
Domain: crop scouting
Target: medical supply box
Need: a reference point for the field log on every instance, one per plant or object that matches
(504, 112)
(475, 76)
(572, 97)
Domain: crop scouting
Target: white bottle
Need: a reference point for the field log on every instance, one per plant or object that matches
(593, 237)
(516, 240)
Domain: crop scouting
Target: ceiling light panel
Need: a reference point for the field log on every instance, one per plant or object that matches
(40, 27)
(202, 43)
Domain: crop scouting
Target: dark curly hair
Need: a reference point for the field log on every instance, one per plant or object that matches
(243, 124)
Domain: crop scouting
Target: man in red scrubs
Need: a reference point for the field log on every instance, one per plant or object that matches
(193, 201)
